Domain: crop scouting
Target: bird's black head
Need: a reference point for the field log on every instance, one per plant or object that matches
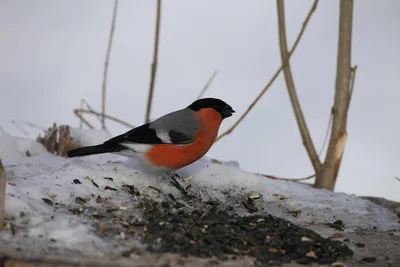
(217, 104)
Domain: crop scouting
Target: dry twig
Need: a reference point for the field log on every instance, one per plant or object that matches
(207, 85)
(105, 74)
(18, 123)
(155, 62)
(288, 179)
(78, 112)
(301, 122)
(3, 180)
(305, 23)
(82, 105)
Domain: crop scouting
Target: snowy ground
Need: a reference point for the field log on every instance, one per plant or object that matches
(51, 224)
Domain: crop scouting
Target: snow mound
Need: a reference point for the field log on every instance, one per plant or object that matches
(42, 190)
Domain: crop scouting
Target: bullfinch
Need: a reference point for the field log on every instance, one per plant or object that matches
(170, 142)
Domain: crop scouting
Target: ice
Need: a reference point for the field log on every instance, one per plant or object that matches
(43, 175)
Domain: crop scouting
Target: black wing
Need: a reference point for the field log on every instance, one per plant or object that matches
(146, 135)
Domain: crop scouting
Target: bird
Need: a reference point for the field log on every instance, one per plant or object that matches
(170, 142)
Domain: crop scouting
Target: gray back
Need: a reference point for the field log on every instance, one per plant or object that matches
(183, 121)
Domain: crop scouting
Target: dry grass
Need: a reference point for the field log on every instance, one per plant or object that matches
(57, 140)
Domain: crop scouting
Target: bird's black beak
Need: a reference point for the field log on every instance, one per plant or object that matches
(227, 112)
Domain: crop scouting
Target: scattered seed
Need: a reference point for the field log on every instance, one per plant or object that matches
(80, 200)
(76, 181)
(11, 183)
(109, 178)
(188, 178)
(104, 228)
(52, 196)
(93, 182)
(337, 235)
(131, 189)
(48, 201)
(249, 205)
(369, 259)
(155, 189)
(360, 245)
(282, 197)
(110, 210)
(109, 188)
(311, 254)
(295, 213)
(212, 202)
(272, 250)
(306, 239)
(99, 200)
(255, 195)
(338, 225)
(171, 196)
(337, 264)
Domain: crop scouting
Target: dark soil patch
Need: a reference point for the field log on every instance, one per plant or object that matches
(217, 232)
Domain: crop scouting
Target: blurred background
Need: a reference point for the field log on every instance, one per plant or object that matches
(52, 56)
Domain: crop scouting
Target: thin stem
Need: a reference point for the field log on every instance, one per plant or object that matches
(207, 85)
(78, 113)
(155, 62)
(105, 74)
(301, 122)
(3, 181)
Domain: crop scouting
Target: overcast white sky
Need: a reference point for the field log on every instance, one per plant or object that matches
(52, 54)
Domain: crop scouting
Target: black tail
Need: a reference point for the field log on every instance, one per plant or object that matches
(90, 150)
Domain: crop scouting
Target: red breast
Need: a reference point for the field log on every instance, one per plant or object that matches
(178, 156)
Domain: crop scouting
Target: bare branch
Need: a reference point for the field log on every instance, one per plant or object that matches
(301, 122)
(82, 106)
(3, 179)
(344, 86)
(105, 74)
(154, 64)
(305, 23)
(207, 85)
(397, 178)
(354, 69)
(78, 112)
(343, 76)
(288, 179)
(18, 123)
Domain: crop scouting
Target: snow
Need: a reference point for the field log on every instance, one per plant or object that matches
(43, 175)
